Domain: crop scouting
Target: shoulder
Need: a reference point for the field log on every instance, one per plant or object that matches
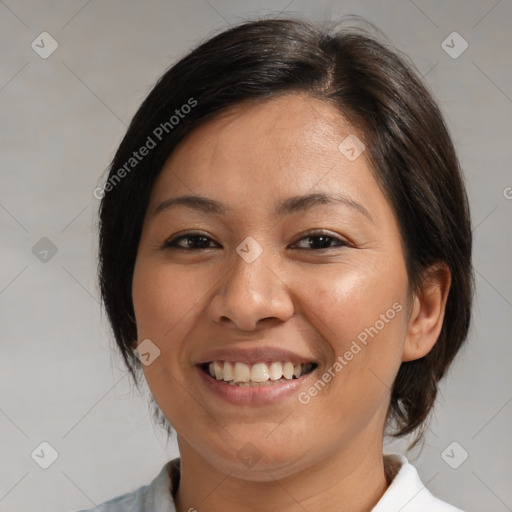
(407, 493)
(154, 497)
(129, 502)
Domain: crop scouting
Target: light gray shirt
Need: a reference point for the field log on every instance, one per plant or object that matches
(406, 493)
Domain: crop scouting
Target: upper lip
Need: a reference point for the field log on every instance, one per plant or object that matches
(252, 355)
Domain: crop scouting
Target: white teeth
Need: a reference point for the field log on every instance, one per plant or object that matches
(243, 374)
(217, 368)
(276, 370)
(259, 372)
(288, 370)
(227, 372)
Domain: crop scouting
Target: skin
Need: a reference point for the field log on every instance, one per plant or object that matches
(315, 301)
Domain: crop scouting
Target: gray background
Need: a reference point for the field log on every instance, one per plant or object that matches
(62, 118)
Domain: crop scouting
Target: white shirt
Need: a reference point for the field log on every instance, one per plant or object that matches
(405, 494)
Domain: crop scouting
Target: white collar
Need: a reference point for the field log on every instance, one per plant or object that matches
(406, 493)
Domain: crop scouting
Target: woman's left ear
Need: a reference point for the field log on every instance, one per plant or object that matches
(428, 310)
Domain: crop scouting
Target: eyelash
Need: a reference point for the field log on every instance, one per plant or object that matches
(172, 242)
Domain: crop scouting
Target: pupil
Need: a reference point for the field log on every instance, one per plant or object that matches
(193, 241)
(318, 238)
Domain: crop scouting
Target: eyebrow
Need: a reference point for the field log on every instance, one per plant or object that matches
(286, 207)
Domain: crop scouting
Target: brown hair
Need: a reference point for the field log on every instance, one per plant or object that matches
(407, 141)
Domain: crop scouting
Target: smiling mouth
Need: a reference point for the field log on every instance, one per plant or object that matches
(258, 374)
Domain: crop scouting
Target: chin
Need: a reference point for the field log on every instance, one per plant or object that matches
(257, 461)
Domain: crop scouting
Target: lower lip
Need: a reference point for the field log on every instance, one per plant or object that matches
(253, 395)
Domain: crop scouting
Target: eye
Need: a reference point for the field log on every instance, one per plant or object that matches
(193, 241)
(323, 241)
(317, 240)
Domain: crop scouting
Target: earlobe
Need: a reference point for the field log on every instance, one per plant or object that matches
(427, 314)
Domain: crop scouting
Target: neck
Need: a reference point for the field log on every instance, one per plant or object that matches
(353, 479)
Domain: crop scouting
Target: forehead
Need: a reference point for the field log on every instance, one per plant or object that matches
(293, 122)
(279, 144)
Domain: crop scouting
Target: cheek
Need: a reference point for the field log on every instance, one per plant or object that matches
(360, 312)
(361, 315)
(163, 299)
(166, 301)
(348, 302)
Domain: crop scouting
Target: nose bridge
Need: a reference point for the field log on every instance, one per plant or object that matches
(252, 289)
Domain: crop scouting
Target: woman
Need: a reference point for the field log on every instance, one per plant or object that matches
(285, 246)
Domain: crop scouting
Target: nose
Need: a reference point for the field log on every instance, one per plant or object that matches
(251, 293)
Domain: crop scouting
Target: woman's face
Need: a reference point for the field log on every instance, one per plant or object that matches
(265, 278)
